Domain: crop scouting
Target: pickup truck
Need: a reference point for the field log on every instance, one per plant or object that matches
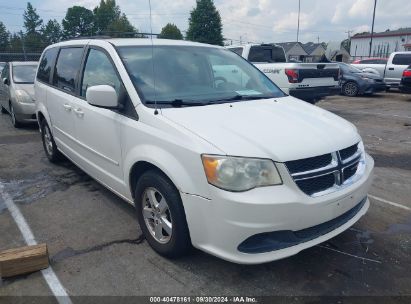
(306, 81)
(392, 70)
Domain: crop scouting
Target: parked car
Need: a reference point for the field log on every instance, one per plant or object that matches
(371, 61)
(307, 81)
(17, 91)
(405, 85)
(232, 166)
(2, 65)
(392, 70)
(356, 82)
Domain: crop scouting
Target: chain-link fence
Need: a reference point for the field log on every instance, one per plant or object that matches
(7, 56)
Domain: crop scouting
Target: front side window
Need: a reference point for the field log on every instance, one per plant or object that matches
(45, 66)
(193, 74)
(99, 71)
(402, 59)
(24, 73)
(67, 67)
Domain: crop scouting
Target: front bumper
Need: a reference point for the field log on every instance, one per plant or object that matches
(25, 112)
(220, 224)
(314, 93)
(374, 87)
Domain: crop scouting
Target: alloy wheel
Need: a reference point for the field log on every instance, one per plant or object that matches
(47, 140)
(350, 89)
(157, 216)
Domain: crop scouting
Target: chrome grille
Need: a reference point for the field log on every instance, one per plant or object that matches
(326, 173)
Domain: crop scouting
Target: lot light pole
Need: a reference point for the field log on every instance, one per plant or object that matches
(372, 27)
(298, 21)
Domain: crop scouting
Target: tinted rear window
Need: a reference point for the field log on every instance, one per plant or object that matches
(402, 59)
(266, 54)
(67, 67)
(45, 66)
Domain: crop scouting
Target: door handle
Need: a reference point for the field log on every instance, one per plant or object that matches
(67, 107)
(79, 112)
(391, 69)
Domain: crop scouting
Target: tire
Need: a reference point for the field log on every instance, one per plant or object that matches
(387, 89)
(3, 110)
(14, 120)
(350, 89)
(49, 145)
(164, 225)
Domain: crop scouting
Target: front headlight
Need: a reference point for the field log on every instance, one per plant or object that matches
(239, 173)
(23, 96)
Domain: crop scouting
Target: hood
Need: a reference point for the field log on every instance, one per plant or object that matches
(281, 129)
(371, 75)
(29, 88)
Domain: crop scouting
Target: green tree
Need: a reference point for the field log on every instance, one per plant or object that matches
(32, 21)
(51, 32)
(16, 44)
(79, 21)
(4, 37)
(170, 31)
(119, 26)
(205, 23)
(109, 19)
(105, 14)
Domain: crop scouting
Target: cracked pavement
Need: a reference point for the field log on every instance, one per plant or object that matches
(96, 247)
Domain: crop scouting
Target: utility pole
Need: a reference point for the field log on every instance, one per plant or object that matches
(318, 39)
(349, 34)
(23, 46)
(298, 22)
(372, 26)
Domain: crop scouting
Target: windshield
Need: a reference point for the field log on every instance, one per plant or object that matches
(346, 68)
(192, 74)
(24, 73)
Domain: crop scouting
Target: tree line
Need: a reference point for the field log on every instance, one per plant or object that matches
(105, 19)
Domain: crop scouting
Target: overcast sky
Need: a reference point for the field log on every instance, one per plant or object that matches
(252, 20)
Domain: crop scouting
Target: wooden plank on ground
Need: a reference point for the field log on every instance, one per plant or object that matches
(23, 260)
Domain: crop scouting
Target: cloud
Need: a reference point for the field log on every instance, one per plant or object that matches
(252, 20)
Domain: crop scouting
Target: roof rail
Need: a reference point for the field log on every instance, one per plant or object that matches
(89, 37)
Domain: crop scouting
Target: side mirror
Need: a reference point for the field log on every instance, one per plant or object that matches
(102, 96)
(6, 81)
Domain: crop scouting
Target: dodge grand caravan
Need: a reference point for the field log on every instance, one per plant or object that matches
(232, 166)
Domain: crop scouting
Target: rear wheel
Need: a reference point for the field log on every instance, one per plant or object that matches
(49, 145)
(350, 89)
(161, 215)
(14, 120)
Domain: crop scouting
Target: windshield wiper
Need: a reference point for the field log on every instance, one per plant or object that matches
(177, 103)
(242, 97)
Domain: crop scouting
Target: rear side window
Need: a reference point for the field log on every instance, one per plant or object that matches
(46, 63)
(67, 68)
(266, 54)
(238, 50)
(402, 59)
(99, 71)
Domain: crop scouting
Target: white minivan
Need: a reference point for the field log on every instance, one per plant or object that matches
(234, 167)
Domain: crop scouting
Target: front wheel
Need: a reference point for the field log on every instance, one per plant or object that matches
(350, 89)
(49, 145)
(14, 120)
(161, 215)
